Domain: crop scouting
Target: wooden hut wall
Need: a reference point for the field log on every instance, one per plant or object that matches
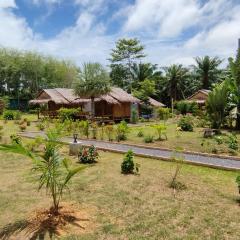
(103, 108)
(122, 110)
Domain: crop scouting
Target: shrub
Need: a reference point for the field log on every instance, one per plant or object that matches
(232, 142)
(88, 155)
(202, 122)
(102, 131)
(67, 113)
(161, 130)
(163, 113)
(185, 107)
(140, 133)
(12, 115)
(219, 140)
(85, 128)
(121, 130)
(94, 130)
(148, 139)
(128, 166)
(8, 115)
(17, 115)
(15, 139)
(109, 132)
(186, 123)
(134, 116)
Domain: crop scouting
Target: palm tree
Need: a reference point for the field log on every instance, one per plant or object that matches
(217, 103)
(207, 70)
(175, 75)
(234, 79)
(94, 81)
(54, 170)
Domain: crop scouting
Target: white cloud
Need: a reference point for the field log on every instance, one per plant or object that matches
(49, 2)
(7, 4)
(167, 18)
(159, 24)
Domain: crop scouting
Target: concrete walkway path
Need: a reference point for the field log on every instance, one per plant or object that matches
(210, 161)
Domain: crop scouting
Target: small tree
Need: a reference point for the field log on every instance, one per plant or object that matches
(94, 82)
(179, 159)
(128, 165)
(217, 103)
(161, 130)
(54, 170)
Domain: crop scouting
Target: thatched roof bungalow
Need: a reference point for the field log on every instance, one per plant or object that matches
(199, 97)
(154, 103)
(116, 104)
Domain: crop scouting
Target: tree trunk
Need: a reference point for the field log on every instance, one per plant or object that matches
(205, 82)
(92, 107)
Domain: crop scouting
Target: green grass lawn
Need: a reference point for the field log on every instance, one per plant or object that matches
(131, 206)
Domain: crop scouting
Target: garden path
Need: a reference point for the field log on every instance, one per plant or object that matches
(192, 158)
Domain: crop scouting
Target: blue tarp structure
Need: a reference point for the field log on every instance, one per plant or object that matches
(22, 104)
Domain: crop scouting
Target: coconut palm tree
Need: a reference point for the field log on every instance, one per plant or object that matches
(207, 71)
(94, 81)
(175, 75)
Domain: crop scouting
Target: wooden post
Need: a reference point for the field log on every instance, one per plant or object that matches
(172, 106)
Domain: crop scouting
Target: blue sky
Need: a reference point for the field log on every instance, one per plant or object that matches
(173, 31)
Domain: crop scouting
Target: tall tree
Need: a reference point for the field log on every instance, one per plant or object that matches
(94, 81)
(23, 73)
(147, 89)
(234, 78)
(143, 71)
(207, 71)
(126, 52)
(173, 81)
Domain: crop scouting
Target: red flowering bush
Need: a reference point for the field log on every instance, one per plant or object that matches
(88, 155)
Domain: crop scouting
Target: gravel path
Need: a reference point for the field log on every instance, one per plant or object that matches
(210, 161)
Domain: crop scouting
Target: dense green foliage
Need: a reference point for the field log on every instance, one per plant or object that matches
(68, 113)
(186, 123)
(161, 131)
(207, 71)
(23, 74)
(185, 107)
(94, 81)
(122, 130)
(163, 113)
(217, 103)
(11, 115)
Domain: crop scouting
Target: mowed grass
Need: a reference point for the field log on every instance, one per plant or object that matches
(131, 206)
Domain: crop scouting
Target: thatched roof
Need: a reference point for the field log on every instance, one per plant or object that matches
(123, 96)
(155, 103)
(204, 92)
(67, 96)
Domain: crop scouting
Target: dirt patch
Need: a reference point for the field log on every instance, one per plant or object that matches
(44, 224)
